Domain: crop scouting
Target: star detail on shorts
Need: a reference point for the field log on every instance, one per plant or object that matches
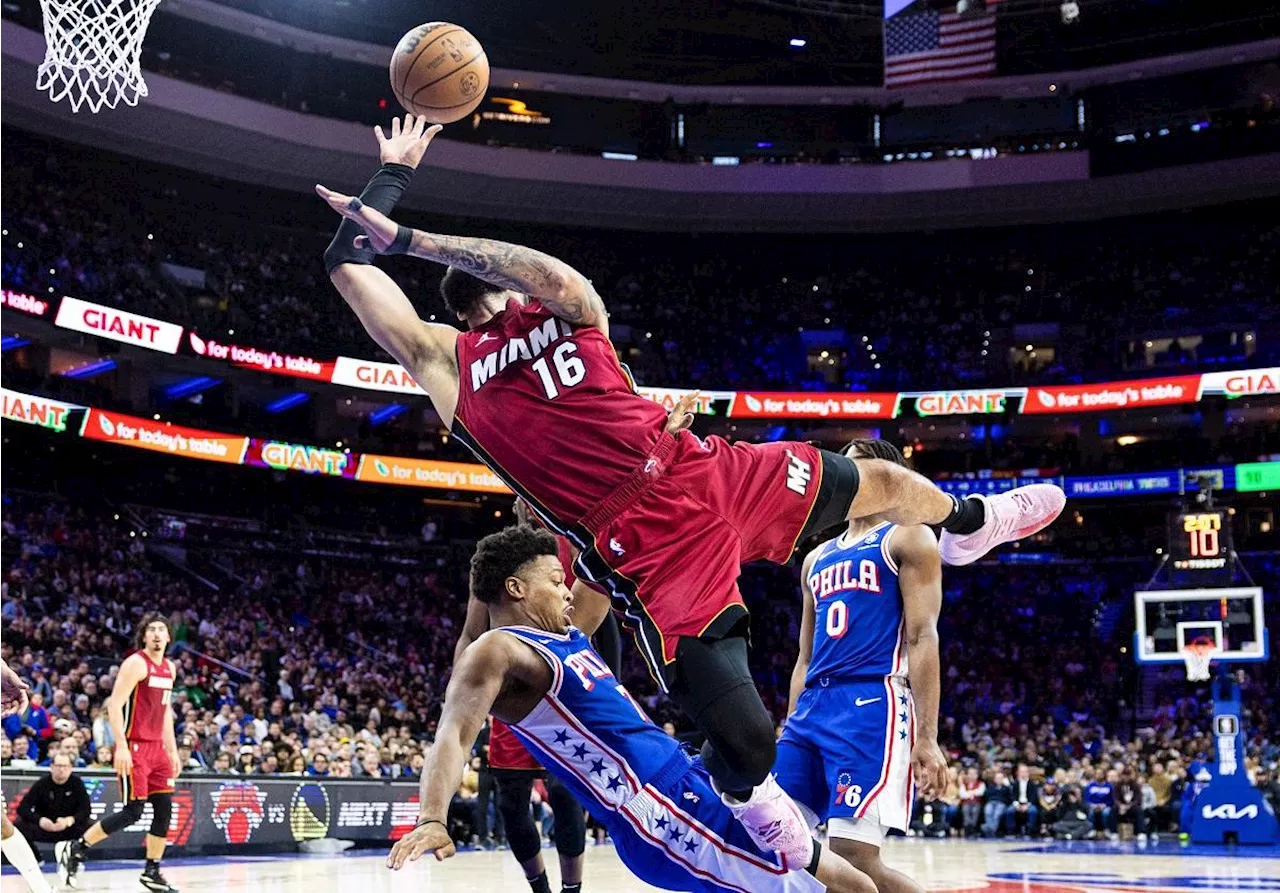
(580, 751)
(597, 766)
(615, 782)
(662, 822)
(902, 717)
(902, 699)
(903, 734)
(690, 844)
(674, 834)
(562, 737)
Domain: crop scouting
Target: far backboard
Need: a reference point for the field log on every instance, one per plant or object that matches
(1168, 620)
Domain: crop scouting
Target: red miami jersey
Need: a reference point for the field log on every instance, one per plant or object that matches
(550, 409)
(144, 714)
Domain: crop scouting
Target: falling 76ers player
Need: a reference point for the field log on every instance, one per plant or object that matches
(662, 521)
(538, 673)
(146, 757)
(865, 690)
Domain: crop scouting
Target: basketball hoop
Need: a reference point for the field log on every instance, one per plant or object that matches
(1197, 655)
(92, 48)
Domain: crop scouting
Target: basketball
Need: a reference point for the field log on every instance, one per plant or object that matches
(439, 71)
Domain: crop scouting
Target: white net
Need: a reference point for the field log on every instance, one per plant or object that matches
(92, 50)
(1198, 656)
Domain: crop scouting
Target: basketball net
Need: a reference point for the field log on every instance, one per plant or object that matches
(92, 50)
(1198, 655)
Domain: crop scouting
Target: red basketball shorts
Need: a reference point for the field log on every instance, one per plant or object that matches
(152, 772)
(670, 543)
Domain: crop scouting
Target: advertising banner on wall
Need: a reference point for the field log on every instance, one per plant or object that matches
(163, 437)
(428, 473)
(262, 812)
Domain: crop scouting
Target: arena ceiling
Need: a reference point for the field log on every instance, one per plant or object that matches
(750, 41)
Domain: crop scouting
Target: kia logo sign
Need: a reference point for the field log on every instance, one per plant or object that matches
(1230, 812)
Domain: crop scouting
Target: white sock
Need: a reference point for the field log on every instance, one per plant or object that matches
(18, 852)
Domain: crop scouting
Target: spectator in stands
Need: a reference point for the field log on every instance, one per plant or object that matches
(996, 802)
(1024, 814)
(1099, 795)
(1075, 816)
(222, 764)
(319, 765)
(1050, 805)
(1161, 782)
(973, 791)
(57, 806)
(1127, 799)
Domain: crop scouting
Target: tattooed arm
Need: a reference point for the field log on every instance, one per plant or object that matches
(559, 287)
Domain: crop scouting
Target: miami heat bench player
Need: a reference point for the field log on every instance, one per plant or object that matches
(661, 521)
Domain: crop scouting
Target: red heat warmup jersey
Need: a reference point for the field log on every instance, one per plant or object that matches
(548, 407)
(145, 713)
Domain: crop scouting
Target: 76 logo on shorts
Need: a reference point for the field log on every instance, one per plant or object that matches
(848, 794)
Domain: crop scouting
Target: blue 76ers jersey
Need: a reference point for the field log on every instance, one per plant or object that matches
(586, 730)
(858, 630)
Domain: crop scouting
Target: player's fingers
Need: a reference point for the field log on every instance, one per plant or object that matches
(419, 127)
(395, 127)
(377, 131)
(445, 852)
(360, 241)
(432, 131)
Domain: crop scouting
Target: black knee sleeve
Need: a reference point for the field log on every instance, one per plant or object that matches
(124, 818)
(571, 820)
(513, 806)
(715, 689)
(161, 813)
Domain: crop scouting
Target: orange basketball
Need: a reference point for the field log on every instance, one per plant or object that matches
(439, 71)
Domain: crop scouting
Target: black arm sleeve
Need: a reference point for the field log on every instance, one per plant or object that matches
(27, 808)
(382, 193)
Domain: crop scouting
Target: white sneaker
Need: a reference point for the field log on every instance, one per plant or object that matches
(774, 822)
(1013, 515)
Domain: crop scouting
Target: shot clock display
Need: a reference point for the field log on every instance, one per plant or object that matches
(1200, 543)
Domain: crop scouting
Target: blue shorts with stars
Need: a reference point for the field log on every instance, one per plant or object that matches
(846, 751)
(676, 834)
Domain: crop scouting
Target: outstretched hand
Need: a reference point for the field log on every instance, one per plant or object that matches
(379, 229)
(13, 691)
(407, 143)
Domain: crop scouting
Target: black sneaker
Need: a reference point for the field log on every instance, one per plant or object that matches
(154, 881)
(70, 855)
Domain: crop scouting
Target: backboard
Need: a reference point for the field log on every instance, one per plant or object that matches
(1167, 620)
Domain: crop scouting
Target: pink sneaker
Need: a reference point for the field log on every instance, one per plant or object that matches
(774, 823)
(1011, 516)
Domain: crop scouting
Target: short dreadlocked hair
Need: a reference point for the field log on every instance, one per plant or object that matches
(501, 555)
(865, 448)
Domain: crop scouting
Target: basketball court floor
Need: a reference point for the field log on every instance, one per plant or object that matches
(996, 867)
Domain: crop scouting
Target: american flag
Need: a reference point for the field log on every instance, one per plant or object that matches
(927, 47)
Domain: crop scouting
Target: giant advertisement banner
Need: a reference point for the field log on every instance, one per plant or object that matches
(372, 375)
(223, 814)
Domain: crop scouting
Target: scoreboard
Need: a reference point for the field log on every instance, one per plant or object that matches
(1200, 543)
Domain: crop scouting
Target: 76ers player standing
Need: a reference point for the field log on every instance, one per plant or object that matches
(864, 694)
(146, 758)
(663, 522)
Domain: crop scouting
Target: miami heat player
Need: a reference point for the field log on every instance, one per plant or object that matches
(662, 521)
(146, 757)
